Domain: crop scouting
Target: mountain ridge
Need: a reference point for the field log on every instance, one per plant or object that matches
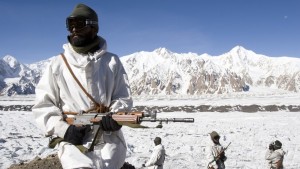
(163, 72)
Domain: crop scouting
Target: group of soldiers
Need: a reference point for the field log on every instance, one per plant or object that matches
(216, 154)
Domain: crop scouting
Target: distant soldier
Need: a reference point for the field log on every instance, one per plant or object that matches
(275, 155)
(157, 158)
(215, 153)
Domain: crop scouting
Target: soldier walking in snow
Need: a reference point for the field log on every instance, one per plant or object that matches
(84, 78)
(157, 158)
(215, 152)
(275, 155)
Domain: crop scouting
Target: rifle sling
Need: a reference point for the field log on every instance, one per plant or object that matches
(99, 107)
(77, 81)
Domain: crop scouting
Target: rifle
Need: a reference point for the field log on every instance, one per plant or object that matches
(218, 156)
(131, 119)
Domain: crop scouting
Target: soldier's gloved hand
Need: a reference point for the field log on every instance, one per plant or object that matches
(109, 124)
(126, 165)
(143, 165)
(75, 134)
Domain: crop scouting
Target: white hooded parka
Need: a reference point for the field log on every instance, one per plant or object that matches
(275, 157)
(212, 151)
(157, 158)
(104, 78)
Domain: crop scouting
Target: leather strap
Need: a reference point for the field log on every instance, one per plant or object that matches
(100, 108)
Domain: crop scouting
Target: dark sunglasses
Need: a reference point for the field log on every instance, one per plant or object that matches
(78, 23)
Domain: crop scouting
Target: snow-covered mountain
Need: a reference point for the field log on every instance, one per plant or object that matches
(16, 78)
(165, 72)
(162, 72)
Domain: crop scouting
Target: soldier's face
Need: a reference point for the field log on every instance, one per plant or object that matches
(80, 33)
(81, 37)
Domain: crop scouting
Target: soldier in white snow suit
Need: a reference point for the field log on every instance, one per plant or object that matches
(275, 155)
(157, 158)
(103, 77)
(215, 156)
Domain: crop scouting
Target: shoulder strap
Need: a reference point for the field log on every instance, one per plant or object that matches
(77, 81)
(100, 108)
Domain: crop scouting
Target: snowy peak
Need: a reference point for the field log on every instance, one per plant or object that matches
(162, 52)
(240, 54)
(11, 61)
(239, 50)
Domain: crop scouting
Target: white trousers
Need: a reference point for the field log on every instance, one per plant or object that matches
(109, 155)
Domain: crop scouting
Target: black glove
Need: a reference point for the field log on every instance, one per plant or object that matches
(109, 124)
(126, 165)
(75, 134)
(271, 147)
(143, 165)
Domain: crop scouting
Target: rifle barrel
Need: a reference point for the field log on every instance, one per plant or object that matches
(185, 120)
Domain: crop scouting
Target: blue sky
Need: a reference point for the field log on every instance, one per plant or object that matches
(35, 30)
